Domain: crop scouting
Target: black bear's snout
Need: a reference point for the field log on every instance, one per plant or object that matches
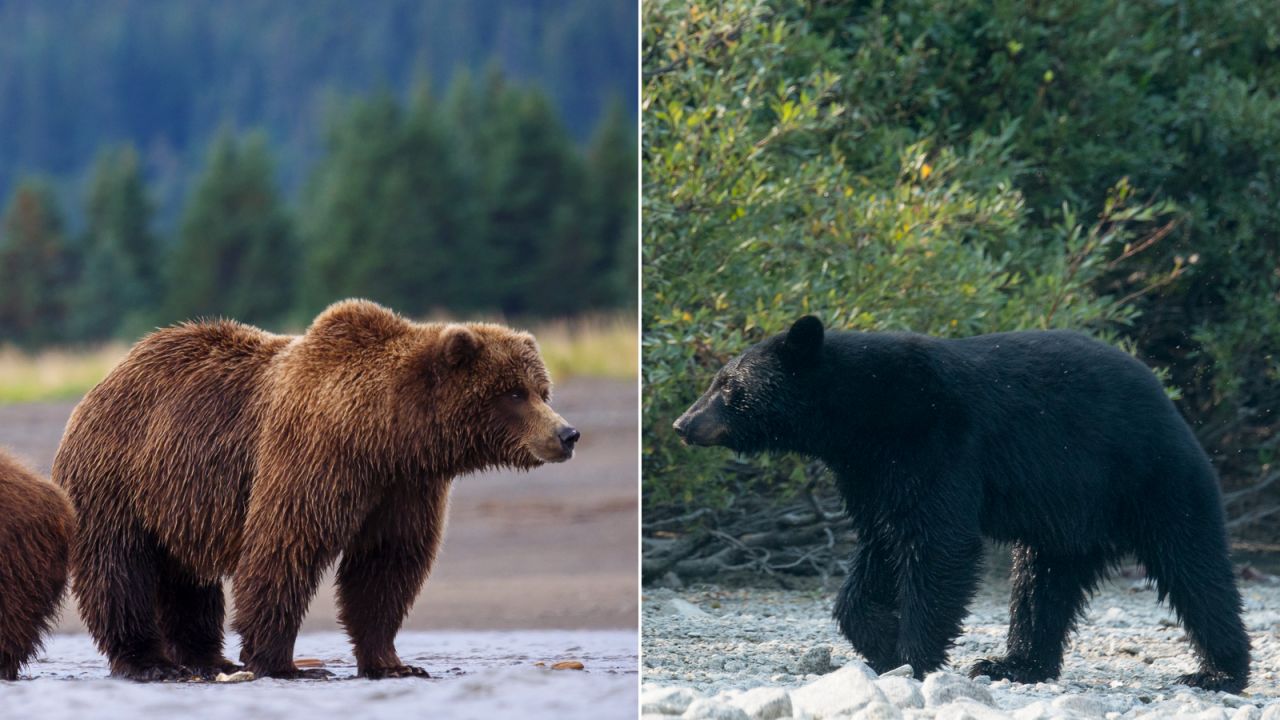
(568, 436)
(681, 426)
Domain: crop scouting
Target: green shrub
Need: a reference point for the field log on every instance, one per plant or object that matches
(770, 192)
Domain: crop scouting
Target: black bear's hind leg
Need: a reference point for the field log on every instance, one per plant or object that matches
(1048, 596)
(865, 608)
(1190, 566)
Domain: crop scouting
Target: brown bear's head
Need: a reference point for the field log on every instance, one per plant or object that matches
(510, 392)
(459, 397)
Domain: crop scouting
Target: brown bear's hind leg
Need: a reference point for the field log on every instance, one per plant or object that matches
(31, 586)
(382, 571)
(190, 614)
(115, 580)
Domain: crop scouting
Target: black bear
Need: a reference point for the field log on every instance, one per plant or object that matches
(1056, 443)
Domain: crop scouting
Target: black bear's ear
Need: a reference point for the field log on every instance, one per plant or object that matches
(461, 345)
(804, 340)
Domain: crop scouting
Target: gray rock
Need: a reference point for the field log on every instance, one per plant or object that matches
(1082, 705)
(708, 709)
(686, 609)
(941, 688)
(900, 671)
(764, 703)
(816, 661)
(843, 692)
(1038, 710)
(1247, 712)
(878, 711)
(968, 709)
(670, 580)
(1271, 712)
(666, 701)
(902, 692)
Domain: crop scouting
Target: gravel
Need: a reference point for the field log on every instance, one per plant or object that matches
(712, 652)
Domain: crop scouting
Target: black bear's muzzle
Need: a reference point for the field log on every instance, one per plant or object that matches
(700, 428)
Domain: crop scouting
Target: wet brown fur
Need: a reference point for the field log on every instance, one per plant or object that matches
(35, 531)
(216, 449)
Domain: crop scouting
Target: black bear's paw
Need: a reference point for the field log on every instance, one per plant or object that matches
(1019, 670)
(1213, 680)
(153, 672)
(396, 671)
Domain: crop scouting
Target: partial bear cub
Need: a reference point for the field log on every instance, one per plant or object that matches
(1060, 445)
(218, 449)
(35, 531)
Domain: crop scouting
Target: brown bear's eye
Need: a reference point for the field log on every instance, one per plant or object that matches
(517, 395)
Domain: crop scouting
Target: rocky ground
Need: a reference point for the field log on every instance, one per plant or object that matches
(735, 654)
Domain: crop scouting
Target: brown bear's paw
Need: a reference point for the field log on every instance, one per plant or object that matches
(210, 670)
(395, 671)
(1206, 680)
(153, 672)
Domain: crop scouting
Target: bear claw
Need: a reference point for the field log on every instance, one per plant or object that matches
(154, 673)
(398, 671)
(1210, 680)
(1011, 669)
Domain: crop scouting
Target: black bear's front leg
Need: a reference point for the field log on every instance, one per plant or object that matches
(939, 577)
(383, 569)
(1048, 596)
(866, 608)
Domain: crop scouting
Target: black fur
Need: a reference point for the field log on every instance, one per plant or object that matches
(1058, 444)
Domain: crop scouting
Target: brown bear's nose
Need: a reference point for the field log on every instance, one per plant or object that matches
(569, 436)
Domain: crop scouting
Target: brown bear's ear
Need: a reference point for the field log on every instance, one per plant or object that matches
(804, 340)
(461, 345)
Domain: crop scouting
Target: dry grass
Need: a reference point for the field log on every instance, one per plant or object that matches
(54, 374)
(597, 346)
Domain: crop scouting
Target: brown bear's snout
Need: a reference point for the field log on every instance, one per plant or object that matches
(568, 436)
(551, 438)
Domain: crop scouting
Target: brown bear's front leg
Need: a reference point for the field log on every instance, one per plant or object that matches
(295, 527)
(272, 589)
(383, 569)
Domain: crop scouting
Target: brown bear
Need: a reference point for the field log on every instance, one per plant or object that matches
(35, 532)
(217, 449)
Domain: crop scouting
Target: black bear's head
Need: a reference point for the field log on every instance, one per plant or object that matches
(762, 399)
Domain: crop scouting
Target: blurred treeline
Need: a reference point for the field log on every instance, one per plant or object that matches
(258, 159)
(958, 168)
(76, 75)
(479, 201)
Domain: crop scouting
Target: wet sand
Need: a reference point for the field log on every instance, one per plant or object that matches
(555, 548)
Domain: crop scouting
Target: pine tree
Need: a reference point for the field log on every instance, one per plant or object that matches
(611, 207)
(35, 269)
(532, 187)
(120, 278)
(389, 212)
(235, 255)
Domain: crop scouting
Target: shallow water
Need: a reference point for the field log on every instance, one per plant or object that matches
(475, 675)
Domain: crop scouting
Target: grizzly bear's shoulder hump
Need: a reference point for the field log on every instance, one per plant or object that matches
(356, 321)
